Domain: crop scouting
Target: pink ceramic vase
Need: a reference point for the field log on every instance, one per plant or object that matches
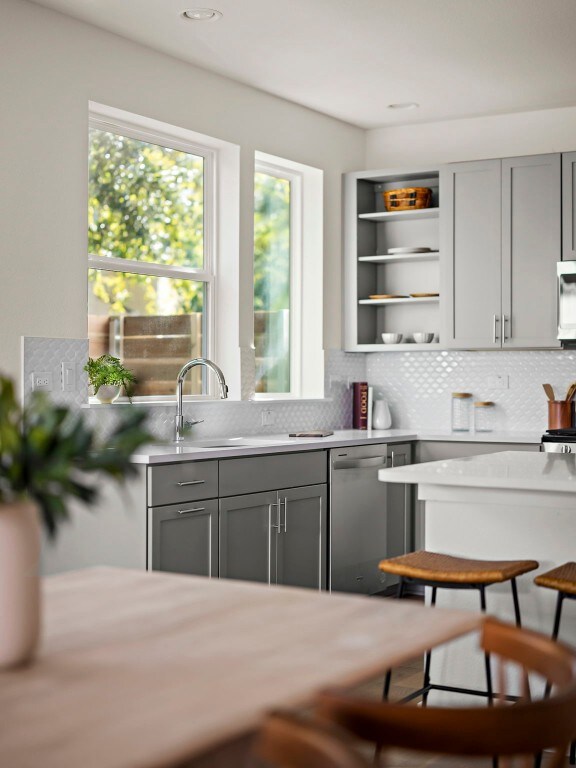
(19, 583)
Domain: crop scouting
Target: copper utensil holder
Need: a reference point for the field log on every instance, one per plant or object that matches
(560, 414)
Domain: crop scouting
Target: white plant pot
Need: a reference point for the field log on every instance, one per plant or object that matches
(108, 393)
(19, 583)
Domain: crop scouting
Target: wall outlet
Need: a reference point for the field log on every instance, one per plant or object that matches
(497, 381)
(42, 380)
(268, 418)
(68, 377)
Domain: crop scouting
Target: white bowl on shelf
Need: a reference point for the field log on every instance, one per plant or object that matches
(422, 338)
(391, 338)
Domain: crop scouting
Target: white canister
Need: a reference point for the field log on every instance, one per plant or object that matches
(381, 416)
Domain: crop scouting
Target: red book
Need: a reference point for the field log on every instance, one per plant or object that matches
(360, 404)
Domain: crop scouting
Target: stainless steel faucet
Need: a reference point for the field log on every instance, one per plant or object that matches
(182, 425)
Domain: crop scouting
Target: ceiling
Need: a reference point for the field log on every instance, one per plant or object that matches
(352, 58)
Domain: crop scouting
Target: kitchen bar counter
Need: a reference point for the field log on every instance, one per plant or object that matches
(502, 506)
(212, 448)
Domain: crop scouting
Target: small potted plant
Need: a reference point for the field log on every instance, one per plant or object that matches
(47, 457)
(107, 376)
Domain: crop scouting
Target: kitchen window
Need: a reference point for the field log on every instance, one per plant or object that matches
(287, 279)
(153, 230)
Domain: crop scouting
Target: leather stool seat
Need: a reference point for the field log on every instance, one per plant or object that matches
(436, 567)
(562, 579)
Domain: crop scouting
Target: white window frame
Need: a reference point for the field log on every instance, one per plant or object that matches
(306, 274)
(220, 236)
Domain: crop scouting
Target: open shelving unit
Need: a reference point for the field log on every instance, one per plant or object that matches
(369, 269)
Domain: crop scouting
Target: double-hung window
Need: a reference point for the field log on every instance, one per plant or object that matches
(151, 238)
(288, 257)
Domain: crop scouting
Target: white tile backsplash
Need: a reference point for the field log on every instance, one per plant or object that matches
(417, 386)
(220, 417)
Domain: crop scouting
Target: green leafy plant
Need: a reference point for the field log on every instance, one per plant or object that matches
(107, 369)
(48, 452)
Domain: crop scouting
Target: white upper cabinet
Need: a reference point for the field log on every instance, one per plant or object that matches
(500, 241)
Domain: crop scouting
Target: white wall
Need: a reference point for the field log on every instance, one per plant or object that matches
(51, 66)
(430, 144)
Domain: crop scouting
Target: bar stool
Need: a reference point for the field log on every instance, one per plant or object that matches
(563, 580)
(439, 571)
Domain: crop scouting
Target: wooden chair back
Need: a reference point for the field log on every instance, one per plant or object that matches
(288, 740)
(525, 728)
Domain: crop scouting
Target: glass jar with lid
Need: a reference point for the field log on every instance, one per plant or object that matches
(484, 416)
(461, 411)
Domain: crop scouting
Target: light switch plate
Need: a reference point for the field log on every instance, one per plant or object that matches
(68, 377)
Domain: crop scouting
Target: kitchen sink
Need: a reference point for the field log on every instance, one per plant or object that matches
(231, 442)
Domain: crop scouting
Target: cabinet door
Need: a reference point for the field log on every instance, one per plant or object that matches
(470, 254)
(301, 538)
(531, 246)
(245, 550)
(183, 538)
(569, 206)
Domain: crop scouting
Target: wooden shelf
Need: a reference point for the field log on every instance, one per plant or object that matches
(421, 213)
(409, 300)
(392, 258)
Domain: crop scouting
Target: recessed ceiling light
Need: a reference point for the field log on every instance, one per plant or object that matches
(202, 14)
(404, 105)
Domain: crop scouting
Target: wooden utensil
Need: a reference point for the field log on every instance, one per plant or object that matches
(549, 391)
(571, 391)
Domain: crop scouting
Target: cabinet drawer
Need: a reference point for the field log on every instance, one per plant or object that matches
(184, 481)
(267, 473)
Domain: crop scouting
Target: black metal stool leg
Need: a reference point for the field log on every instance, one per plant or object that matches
(489, 690)
(428, 659)
(558, 615)
(388, 678)
(516, 603)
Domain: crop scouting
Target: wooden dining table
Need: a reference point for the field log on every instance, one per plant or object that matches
(157, 670)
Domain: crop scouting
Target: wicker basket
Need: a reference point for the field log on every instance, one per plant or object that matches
(407, 198)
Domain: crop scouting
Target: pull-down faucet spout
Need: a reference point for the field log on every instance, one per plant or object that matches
(180, 423)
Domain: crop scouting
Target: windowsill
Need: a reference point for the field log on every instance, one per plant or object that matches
(94, 402)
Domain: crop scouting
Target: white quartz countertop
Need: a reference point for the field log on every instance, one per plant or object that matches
(509, 470)
(219, 448)
(228, 447)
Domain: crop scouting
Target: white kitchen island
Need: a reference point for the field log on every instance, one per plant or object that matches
(509, 505)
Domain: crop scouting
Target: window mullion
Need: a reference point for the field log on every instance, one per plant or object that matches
(113, 264)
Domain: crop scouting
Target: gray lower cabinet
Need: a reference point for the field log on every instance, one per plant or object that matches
(183, 538)
(276, 537)
(501, 239)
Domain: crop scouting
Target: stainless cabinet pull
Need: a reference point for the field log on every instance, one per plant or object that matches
(186, 511)
(496, 320)
(278, 525)
(191, 482)
(505, 320)
(392, 458)
(285, 513)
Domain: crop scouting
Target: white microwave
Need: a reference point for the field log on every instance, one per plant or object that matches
(567, 301)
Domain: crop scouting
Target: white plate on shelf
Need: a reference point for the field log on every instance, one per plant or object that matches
(392, 251)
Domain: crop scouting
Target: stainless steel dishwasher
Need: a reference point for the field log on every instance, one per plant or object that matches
(369, 520)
